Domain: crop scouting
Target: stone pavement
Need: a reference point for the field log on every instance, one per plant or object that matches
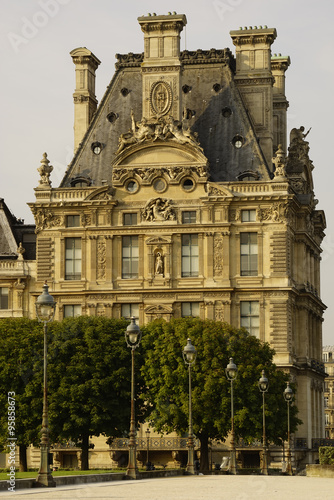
(192, 488)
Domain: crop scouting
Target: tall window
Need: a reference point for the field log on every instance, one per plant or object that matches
(72, 311)
(3, 298)
(72, 258)
(250, 317)
(130, 310)
(130, 257)
(326, 402)
(189, 255)
(248, 254)
(190, 309)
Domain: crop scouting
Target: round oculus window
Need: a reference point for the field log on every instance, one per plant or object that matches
(159, 185)
(132, 186)
(188, 184)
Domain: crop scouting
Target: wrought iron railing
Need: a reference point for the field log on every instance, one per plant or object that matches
(300, 444)
(316, 442)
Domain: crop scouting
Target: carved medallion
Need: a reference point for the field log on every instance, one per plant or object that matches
(161, 98)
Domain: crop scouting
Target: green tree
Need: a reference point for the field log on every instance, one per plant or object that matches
(166, 378)
(90, 376)
(21, 372)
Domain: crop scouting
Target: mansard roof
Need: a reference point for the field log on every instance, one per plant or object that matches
(212, 109)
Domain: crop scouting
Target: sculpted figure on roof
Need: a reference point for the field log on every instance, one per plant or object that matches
(162, 128)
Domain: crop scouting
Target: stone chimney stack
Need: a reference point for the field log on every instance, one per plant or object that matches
(279, 65)
(161, 66)
(85, 102)
(254, 80)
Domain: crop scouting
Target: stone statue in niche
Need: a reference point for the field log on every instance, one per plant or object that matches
(157, 210)
(159, 264)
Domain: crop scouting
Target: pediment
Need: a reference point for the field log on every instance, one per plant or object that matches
(101, 194)
(158, 309)
(218, 190)
(159, 240)
(160, 153)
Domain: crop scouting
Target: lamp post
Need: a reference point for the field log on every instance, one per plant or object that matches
(189, 356)
(132, 338)
(263, 386)
(45, 311)
(148, 444)
(231, 372)
(288, 395)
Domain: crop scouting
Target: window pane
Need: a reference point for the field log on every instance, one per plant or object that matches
(189, 217)
(73, 221)
(72, 311)
(250, 317)
(130, 310)
(73, 258)
(248, 215)
(190, 309)
(189, 255)
(130, 219)
(130, 257)
(248, 254)
(3, 298)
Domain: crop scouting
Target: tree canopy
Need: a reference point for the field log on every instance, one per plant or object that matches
(90, 380)
(21, 372)
(166, 378)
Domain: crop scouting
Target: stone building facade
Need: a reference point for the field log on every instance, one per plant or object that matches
(328, 359)
(185, 197)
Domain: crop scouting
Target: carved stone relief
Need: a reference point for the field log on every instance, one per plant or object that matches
(218, 255)
(101, 260)
(158, 209)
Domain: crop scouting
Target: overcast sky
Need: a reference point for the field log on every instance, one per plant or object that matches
(38, 81)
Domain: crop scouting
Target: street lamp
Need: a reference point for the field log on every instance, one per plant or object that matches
(132, 338)
(263, 386)
(231, 372)
(189, 357)
(148, 445)
(288, 395)
(45, 311)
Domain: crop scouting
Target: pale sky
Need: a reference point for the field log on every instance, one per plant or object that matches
(37, 81)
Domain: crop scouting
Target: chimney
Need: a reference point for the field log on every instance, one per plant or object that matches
(254, 80)
(161, 66)
(279, 65)
(85, 102)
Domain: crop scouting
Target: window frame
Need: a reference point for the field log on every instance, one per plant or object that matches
(190, 256)
(249, 261)
(132, 260)
(73, 259)
(4, 298)
(251, 317)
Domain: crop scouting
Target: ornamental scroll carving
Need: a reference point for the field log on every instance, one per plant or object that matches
(149, 173)
(277, 212)
(157, 210)
(101, 260)
(218, 255)
(162, 128)
(45, 219)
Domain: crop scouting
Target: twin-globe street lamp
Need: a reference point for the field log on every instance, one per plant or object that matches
(132, 338)
(231, 372)
(263, 386)
(288, 395)
(45, 311)
(189, 356)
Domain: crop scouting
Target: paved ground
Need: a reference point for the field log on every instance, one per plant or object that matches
(192, 488)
